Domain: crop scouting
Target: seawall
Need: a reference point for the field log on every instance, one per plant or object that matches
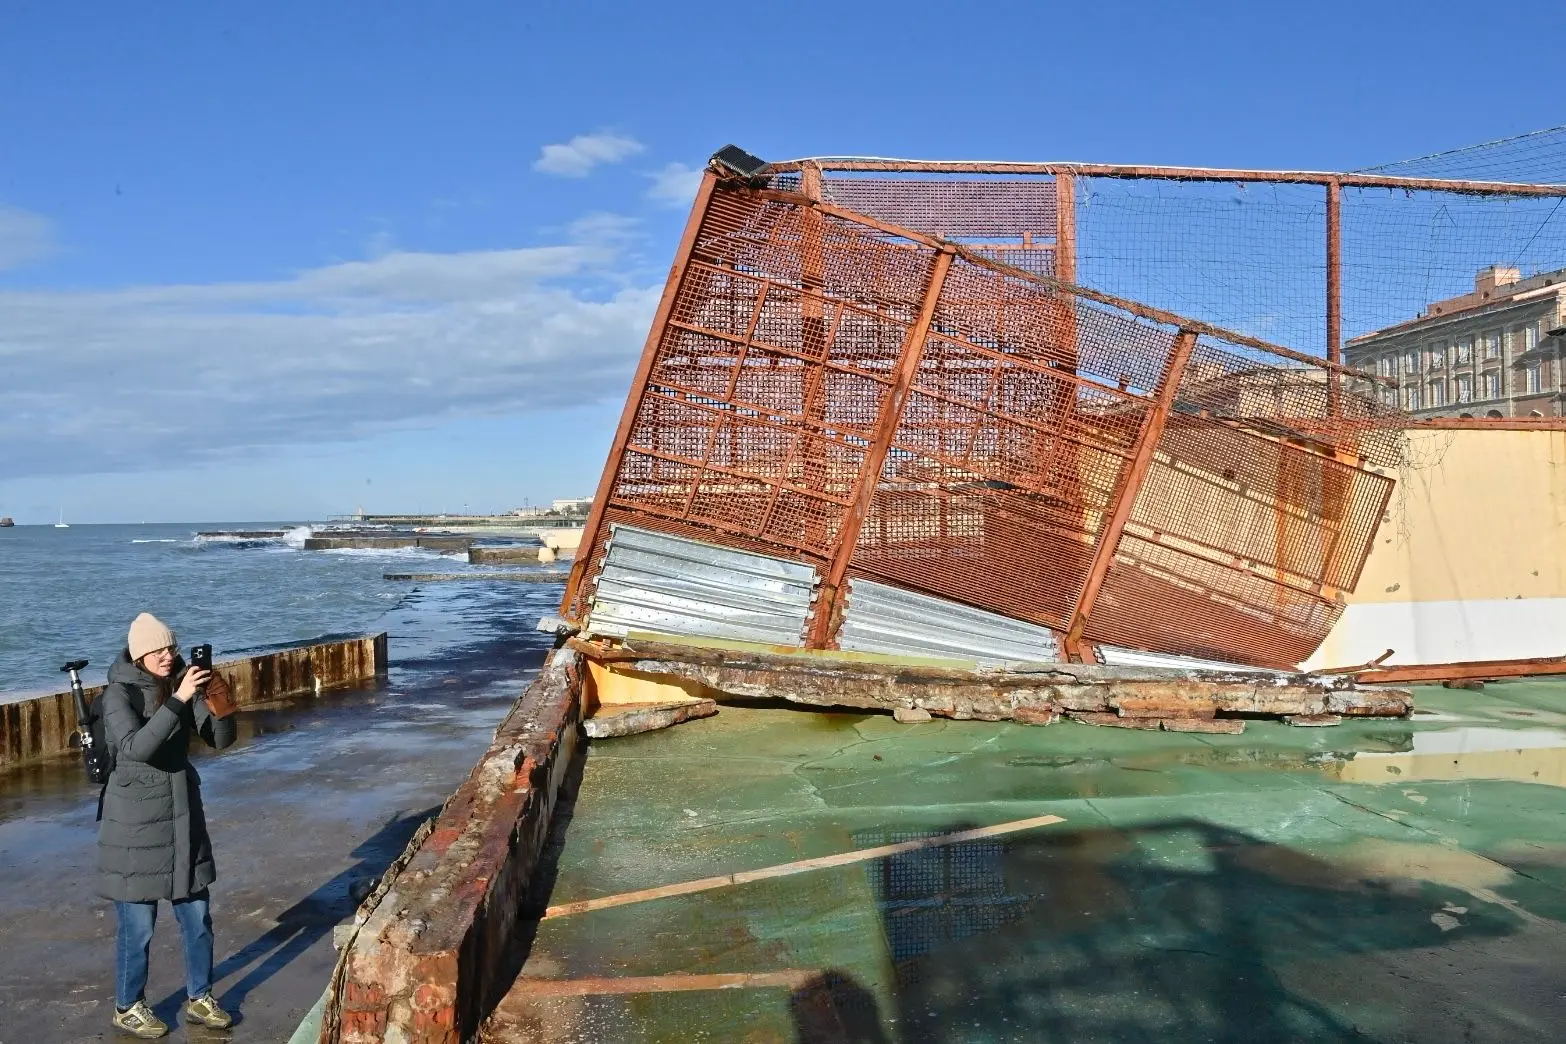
(45, 725)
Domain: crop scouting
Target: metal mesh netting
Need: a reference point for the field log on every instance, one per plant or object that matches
(1251, 257)
(1538, 158)
(832, 389)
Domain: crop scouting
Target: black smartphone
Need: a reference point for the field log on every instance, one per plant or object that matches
(201, 656)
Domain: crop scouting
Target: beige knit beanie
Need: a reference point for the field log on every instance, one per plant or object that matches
(149, 634)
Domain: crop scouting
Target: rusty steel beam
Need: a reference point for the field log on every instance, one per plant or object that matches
(1486, 424)
(1130, 486)
(1468, 671)
(1112, 170)
(1065, 228)
(633, 401)
(875, 454)
(1334, 291)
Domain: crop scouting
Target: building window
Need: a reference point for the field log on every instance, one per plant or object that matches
(1492, 385)
(1465, 350)
(1411, 398)
(1437, 356)
(1386, 366)
(1491, 341)
(1438, 393)
(1389, 397)
(1530, 337)
(1411, 362)
(1465, 387)
(1531, 379)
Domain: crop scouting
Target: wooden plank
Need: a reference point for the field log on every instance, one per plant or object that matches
(861, 855)
(788, 978)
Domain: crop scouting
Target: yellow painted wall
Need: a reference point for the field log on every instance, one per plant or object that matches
(617, 685)
(1477, 515)
(1470, 562)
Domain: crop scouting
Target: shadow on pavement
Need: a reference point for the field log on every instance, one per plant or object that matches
(301, 925)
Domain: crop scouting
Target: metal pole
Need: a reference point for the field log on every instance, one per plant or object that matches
(1334, 295)
(1113, 170)
(1135, 474)
(633, 401)
(875, 454)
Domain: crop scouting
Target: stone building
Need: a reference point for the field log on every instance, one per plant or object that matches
(1495, 352)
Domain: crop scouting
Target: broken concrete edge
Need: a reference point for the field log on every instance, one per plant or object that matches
(45, 726)
(613, 720)
(424, 961)
(1034, 696)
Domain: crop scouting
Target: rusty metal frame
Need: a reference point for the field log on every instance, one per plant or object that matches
(1334, 288)
(875, 454)
(638, 389)
(1474, 670)
(1486, 424)
(842, 494)
(1135, 474)
(1111, 170)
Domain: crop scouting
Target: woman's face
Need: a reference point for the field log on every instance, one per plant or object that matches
(159, 664)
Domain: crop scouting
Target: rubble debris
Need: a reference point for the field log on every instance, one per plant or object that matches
(631, 719)
(1313, 721)
(910, 715)
(1223, 726)
(1112, 720)
(1130, 695)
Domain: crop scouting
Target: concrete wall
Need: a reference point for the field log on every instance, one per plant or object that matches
(431, 956)
(1470, 560)
(44, 726)
(363, 541)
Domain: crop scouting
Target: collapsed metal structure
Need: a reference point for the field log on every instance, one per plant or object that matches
(889, 372)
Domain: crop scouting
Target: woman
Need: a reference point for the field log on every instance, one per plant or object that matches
(153, 843)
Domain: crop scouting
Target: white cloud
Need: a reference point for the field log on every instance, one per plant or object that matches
(160, 376)
(577, 157)
(674, 185)
(24, 237)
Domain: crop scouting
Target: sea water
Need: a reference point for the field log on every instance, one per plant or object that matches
(69, 594)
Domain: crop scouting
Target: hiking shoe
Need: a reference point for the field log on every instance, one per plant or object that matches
(205, 1010)
(139, 1020)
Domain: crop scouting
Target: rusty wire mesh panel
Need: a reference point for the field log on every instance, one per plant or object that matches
(1285, 399)
(768, 380)
(952, 208)
(1162, 599)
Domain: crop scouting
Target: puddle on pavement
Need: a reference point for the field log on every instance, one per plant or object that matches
(1470, 752)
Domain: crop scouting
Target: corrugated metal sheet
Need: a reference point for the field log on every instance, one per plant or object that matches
(654, 582)
(881, 618)
(1116, 656)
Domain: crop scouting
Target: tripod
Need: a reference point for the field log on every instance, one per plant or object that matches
(97, 760)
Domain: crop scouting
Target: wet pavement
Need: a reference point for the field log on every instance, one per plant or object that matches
(317, 796)
(1381, 880)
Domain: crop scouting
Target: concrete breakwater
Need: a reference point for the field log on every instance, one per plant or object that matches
(46, 725)
(429, 541)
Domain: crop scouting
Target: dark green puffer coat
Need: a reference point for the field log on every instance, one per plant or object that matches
(153, 841)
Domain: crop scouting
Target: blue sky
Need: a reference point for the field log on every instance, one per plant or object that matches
(285, 260)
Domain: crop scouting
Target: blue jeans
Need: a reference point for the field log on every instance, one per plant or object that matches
(133, 941)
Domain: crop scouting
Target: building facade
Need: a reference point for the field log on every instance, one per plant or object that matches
(1495, 352)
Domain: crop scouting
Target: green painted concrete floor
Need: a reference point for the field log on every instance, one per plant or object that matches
(1361, 882)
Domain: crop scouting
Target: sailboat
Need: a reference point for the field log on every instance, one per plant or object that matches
(62, 524)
